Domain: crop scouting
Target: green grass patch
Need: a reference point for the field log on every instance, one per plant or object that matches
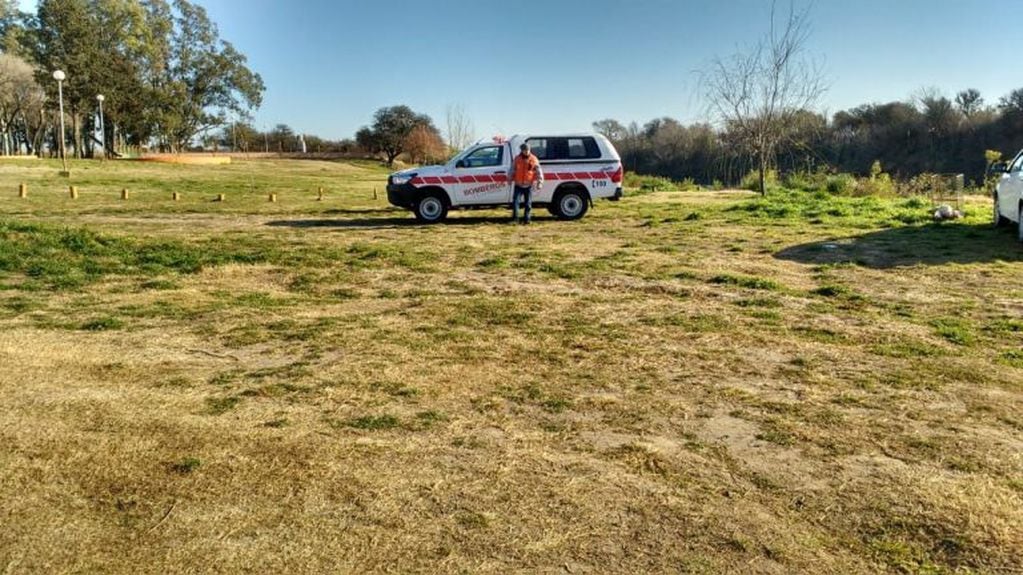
(374, 422)
(1012, 358)
(186, 465)
(58, 258)
(957, 331)
(106, 323)
(749, 282)
(221, 405)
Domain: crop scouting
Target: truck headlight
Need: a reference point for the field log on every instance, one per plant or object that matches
(401, 180)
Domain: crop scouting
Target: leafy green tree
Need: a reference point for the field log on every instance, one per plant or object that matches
(282, 138)
(135, 46)
(391, 129)
(205, 79)
(14, 30)
(66, 39)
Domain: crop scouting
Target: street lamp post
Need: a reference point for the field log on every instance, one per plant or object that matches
(59, 76)
(102, 126)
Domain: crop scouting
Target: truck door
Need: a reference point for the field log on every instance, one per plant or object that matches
(482, 177)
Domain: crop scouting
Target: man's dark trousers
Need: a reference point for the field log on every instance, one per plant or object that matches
(527, 194)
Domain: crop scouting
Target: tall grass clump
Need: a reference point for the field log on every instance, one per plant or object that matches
(644, 183)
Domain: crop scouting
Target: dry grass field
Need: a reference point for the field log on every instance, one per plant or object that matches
(700, 382)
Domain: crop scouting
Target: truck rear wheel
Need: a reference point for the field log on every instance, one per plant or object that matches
(570, 204)
(431, 208)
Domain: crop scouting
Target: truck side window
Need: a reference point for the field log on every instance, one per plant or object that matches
(484, 157)
(582, 149)
(540, 148)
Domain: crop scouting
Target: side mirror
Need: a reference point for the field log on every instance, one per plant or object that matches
(460, 164)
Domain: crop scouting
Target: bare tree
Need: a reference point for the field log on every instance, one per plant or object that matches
(460, 130)
(21, 100)
(969, 102)
(611, 129)
(758, 94)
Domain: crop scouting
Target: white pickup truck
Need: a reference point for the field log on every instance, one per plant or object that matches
(1008, 195)
(577, 168)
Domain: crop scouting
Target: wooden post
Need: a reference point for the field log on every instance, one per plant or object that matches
(319, 195)
(23, 191)
(273, 198)
(175, 196)
(74, 192)
(221, 198)
(124, 193)
(374, 193)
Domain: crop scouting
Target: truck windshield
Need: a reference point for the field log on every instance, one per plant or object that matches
(483, 157)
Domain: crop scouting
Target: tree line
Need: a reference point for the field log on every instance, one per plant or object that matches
(165, 75)
(169, 81)
(930, 134)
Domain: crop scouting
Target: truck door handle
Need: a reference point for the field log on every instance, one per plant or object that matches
(500, 172)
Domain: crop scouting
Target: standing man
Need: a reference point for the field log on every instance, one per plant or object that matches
(526, 176)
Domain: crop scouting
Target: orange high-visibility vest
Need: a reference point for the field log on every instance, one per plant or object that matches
(525, 170)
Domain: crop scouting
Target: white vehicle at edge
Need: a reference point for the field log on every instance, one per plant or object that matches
(577, 169)
(1008, 194)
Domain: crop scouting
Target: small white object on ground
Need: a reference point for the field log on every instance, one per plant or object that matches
(945, 212)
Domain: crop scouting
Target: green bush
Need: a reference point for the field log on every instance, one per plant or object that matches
(808, 181)
(658, 183)
(879, 185)
(751, 181)
(688, 185)
(841, 184)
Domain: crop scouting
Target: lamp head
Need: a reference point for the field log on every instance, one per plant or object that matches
(58, 75)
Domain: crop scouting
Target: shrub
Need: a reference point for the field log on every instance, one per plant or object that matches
(649, 183)
(841, 184)
(688, 185)
(880, 185)
(808, 181)
(751, 181)
(658, 183)
(750, 282)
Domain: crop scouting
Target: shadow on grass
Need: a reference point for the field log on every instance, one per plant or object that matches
(393, 222)
(930, 244)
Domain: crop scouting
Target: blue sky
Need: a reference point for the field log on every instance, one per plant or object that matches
(558, 65)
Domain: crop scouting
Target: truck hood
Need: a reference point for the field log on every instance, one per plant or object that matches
(422, 171)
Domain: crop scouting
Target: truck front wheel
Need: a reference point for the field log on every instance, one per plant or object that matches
(431, 208)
